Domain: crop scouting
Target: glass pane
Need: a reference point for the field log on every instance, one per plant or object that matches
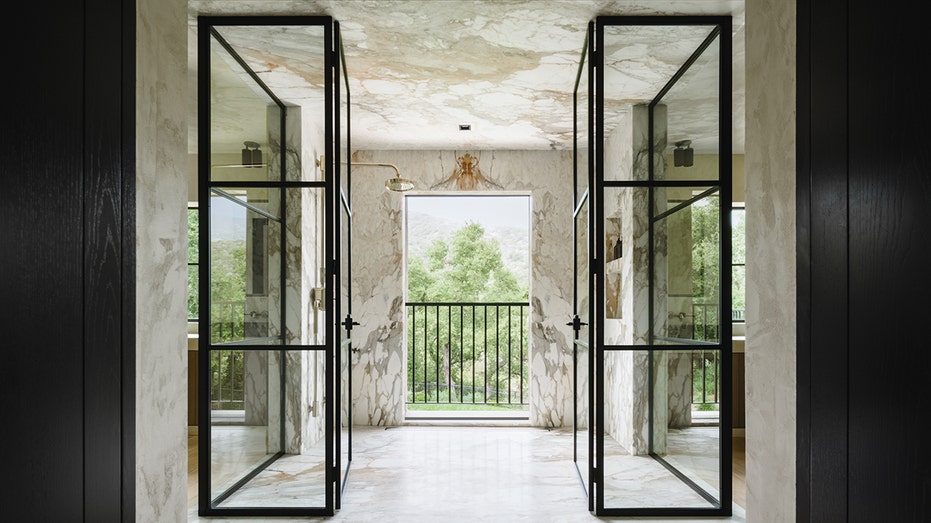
(626, 271)
(245, 389)
(686, 434)
(245, 265)
(583, 132)
(638, 62)
(305, 278)
(193, 255)
(344, 138)
(297, 477)
(686, 265)
(345, 348)
(290, 58)
(582, 348)
(738, 292)
(244, 122)
(692, 128)
(633, 478)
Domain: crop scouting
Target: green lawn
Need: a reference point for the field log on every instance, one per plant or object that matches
(465, 406)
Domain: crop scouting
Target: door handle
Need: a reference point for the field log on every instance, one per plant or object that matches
(576, 323)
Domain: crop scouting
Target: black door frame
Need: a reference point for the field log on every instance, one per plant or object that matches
(721, 29)
(330, 165)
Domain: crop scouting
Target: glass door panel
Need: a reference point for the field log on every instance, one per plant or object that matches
(344, 309)
(265, 442)
(582, 354)
(662, 168)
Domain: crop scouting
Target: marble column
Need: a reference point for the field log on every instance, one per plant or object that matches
(627, 379)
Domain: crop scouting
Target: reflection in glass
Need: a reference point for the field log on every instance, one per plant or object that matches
(687, 268)
(583, 132)
(581, 348)
(297, 478)
(345, 349)
(245, 296)
(690, 382)
(692, 115)
(632, 477)
(245, 387)
(244, 122)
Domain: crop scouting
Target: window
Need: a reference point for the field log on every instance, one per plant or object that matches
(738, 262)
(193, 263)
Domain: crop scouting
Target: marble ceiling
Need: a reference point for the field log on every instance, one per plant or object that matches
(418, 69)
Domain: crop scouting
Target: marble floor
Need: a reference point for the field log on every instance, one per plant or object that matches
(475, 474)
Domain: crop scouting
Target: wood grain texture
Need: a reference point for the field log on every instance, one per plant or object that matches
(65, 246)
(890, 370)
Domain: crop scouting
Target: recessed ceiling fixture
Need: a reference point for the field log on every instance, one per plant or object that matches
(465, 127)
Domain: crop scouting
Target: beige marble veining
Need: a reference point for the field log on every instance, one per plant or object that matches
(379, 379)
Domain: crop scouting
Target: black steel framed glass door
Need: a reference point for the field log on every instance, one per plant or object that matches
(661, 237)
(268, 338)
(582, 354)
(343, 363)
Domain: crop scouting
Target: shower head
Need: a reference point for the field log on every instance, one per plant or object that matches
(396, 184)
(399, 184)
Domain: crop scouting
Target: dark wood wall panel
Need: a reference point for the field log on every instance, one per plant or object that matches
(863, 195)
(103, 171)
(890, 202)
(67, 184)
(41, 268)
(828, 261)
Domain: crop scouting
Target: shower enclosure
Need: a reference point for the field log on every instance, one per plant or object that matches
(274, 210)
(652, 236)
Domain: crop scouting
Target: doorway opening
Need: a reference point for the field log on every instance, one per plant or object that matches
(467, 294)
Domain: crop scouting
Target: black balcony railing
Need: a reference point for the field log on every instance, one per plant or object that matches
(473, 353)
(706, 365)
(227, 371)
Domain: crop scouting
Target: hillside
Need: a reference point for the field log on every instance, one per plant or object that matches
(424, 229)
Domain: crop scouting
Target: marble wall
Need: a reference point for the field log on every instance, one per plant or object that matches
(161, 260)
(379, 377)
(771, 253)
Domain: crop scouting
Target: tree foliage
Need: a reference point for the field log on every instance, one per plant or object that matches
(468, 268)
(473, 353)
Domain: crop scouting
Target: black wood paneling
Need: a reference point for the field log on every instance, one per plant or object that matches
(863, 193)
(103, 291)
(66, 263)
(41, 268)
(828, 252)
(890, 192)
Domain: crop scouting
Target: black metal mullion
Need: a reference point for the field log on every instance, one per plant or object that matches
(473, 354)
(461, 350)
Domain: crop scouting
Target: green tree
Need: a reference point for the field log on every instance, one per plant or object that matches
(475, 350)
(470, 268)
